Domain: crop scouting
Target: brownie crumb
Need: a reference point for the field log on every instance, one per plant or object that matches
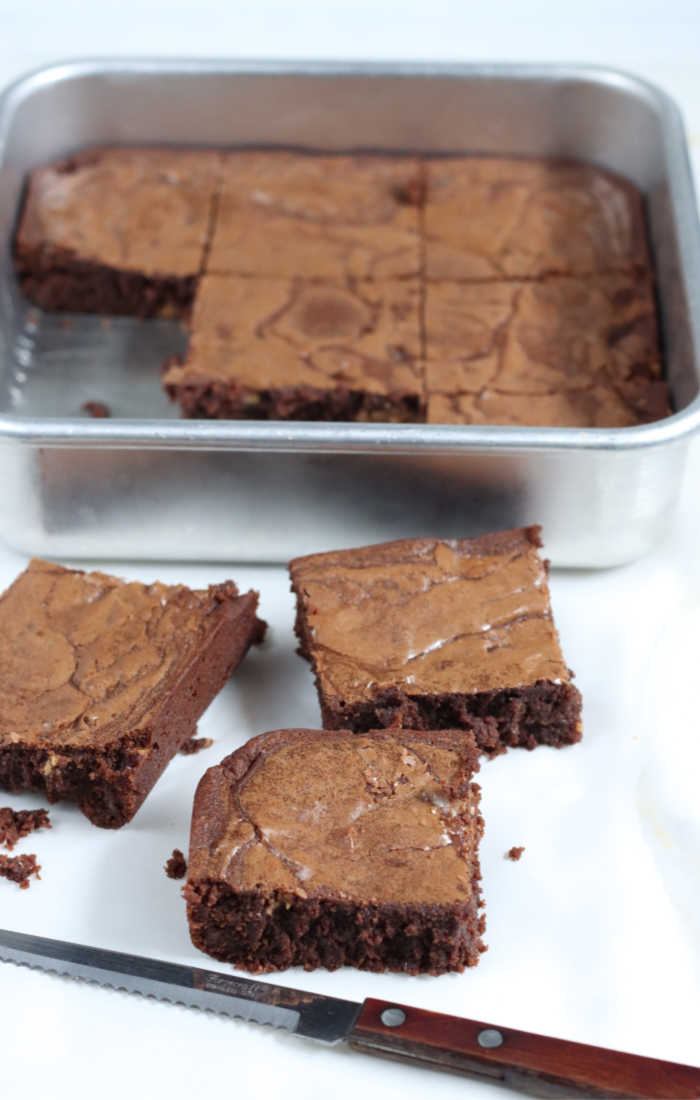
(176, 866)
(515, 853)
(195, 745)
(19, 868)
(97, 409)
(14, 824)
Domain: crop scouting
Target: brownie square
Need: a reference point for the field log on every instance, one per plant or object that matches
(500, 217)
(325, 217)
(312, 849)
(101, 681)
(564, 352)
(438, 634)
(293, 349)
(120, 230)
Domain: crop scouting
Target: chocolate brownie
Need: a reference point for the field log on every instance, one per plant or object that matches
(504, 217)
(117, 230)
(284, 215)
(311, 849)
(293, 349)
(101, 681)
(562, 352)
(434, 634)
(15, 824)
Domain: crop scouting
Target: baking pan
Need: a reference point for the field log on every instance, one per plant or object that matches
(145, 484)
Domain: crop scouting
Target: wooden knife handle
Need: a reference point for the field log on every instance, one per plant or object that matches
(529, 1063)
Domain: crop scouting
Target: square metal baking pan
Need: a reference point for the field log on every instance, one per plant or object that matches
(144, 484)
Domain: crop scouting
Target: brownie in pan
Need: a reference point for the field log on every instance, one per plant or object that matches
(443, 290)
(294, 349)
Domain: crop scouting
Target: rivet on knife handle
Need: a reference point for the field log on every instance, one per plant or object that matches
(530, 1063)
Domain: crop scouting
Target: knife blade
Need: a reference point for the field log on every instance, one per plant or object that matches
(535, 1064)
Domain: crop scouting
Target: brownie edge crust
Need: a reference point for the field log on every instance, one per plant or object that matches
(319, 849)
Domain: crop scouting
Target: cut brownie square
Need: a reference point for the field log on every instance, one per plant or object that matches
(101, 681)
(322, 217)
(311, 849)
(120, 230)
(565, 352)
(291, 349)
(434, 634)
(500, 217)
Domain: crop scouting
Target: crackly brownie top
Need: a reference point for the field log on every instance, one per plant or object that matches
(429, 616)
(85, 657)
(373, 817)
(138, 209)
(271, 333)
(504, 217)
(287, 214)
(564, 351)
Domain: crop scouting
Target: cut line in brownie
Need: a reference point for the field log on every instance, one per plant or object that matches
(118, 230)
(438, 633)
(102, 681)
(319, 849)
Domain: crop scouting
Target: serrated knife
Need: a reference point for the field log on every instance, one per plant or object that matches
(529, 1063)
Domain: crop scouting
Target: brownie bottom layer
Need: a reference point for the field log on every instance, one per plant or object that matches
(543, 713)
(261, 933)
(226, 401)
(107, 786)
(63, 284)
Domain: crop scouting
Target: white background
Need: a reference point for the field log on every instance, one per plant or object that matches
(595, 934)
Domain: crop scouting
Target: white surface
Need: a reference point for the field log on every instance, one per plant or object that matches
(595, 934)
